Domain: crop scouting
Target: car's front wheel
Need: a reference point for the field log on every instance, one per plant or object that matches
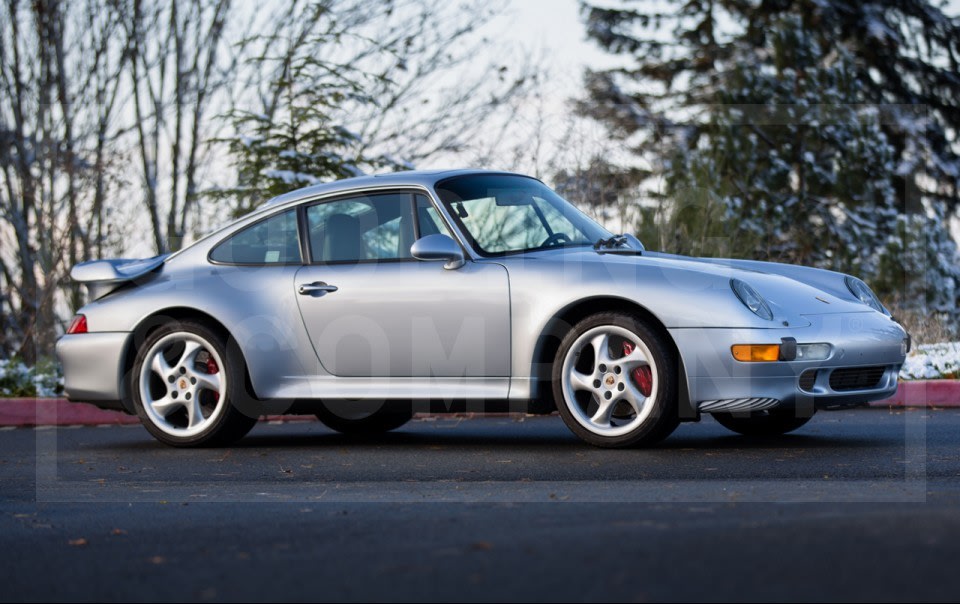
(615, 381)
(772, 422)
(364, 417)
(184, 390)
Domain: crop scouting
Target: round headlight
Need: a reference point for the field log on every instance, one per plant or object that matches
(752, 299)
(861, 291)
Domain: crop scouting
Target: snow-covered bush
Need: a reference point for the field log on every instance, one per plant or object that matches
(45, 380)
(933, 361)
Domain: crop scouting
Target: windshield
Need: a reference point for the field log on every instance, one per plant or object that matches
(506, 214)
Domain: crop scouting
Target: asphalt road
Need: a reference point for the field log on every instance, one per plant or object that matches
(858, 505)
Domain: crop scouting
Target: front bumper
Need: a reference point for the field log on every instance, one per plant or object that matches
(93, 367)
(717, 382)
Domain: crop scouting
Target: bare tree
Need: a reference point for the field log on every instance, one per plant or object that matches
(173, 49)
(114, 108)
(444, 84)
(424, 93)
(59, 67)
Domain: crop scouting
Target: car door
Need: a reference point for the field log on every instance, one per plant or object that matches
(372, 310)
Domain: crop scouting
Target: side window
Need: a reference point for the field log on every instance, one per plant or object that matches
(270, 241)
(429, 218)
(378, 227)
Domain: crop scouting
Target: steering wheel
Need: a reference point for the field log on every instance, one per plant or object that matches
(555, 239)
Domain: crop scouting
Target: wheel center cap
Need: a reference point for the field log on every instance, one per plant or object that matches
(182, 384)
(609, 380)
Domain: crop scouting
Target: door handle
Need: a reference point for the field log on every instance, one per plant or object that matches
(317, 286)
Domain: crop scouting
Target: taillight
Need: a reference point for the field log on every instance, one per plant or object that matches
(78, 325)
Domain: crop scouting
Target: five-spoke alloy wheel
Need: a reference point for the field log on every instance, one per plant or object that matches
(184, 389)
(615, 381)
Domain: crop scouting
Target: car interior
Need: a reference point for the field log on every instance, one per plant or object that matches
(379, 227)
(372, 228)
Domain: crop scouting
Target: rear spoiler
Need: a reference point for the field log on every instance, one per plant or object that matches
(103, 276)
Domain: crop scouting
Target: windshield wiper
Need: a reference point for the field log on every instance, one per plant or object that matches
(619, 244)
(613, 242)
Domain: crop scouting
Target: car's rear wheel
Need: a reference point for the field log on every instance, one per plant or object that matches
(771, 422)
(615, 381)
(184, 390)
(364, 417)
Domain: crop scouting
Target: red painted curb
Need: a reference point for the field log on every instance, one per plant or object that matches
(56, 412)
(924, 393)
(60, 412)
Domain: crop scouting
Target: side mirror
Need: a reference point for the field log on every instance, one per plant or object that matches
(438, 247)
(635, 243)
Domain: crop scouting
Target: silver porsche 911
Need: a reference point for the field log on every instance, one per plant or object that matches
(364, 300)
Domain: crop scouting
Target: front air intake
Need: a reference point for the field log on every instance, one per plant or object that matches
(807, 379)
(856, 378)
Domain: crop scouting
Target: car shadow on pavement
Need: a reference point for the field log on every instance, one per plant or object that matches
(553, 442)
(758, 443)
(538, 435)
(407, 439)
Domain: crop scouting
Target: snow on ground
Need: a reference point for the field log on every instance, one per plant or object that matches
(933, 361)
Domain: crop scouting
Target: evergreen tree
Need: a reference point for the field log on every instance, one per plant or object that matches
(299, 144)
(767, 124)
(300, 141)
(799, 166)
(905, 55)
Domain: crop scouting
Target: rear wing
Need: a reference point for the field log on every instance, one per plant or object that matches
(103, 276)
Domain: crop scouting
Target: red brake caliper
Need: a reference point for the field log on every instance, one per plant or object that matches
(642, 376)
(211, 369)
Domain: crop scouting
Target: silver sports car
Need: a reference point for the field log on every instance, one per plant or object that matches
(364, 300)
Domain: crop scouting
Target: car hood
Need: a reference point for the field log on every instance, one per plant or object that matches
(796, 290)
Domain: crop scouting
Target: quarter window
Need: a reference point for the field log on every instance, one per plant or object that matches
(270, 241)
(429, 218)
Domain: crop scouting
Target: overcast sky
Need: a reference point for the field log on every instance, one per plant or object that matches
(554, 26)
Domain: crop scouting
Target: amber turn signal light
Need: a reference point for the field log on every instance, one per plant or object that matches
(756, 353)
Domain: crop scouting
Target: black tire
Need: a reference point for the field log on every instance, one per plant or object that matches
(336, 415)
(762, 423)
(230, 424)
(662, 418)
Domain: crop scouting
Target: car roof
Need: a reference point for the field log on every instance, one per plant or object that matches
(418, 178)
(426, 178)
